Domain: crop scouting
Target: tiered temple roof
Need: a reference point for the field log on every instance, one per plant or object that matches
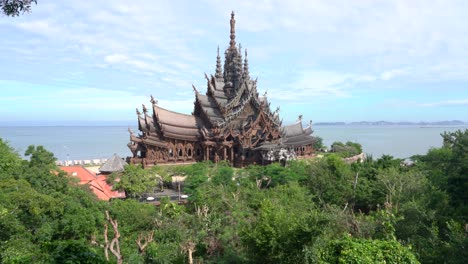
(296, 135)
(230, 121)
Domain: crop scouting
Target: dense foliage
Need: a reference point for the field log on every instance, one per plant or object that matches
(16, 7)
(315, 211)
(347, 149)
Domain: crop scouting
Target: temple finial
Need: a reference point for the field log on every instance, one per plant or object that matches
(152, 100)
(233, 32)
(138, 111)
(245, 73)
(219, 70)
(194, 89)
(144, 108)
(299, 118)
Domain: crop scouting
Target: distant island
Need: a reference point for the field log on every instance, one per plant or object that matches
(387, 123)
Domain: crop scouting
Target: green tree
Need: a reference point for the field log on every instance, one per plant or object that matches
(10, 161)
(435, 164)
(287, 222)
(318, 143)
(401, 186)
(135, 180)
(346, 150)
(16, 7)
(44, 217)
(331, 180)
(353, 250)
(457, 182)
(223, 175)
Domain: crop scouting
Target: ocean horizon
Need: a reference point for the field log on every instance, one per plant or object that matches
(86, 142)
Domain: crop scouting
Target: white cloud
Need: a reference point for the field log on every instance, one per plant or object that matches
(115, 58)
(41, 27)
(320, 84)
(182, 106)
(169, 46)
(141, 66)
(390, 74)
(446, 103)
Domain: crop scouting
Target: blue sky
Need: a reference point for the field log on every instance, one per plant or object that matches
(89, 61)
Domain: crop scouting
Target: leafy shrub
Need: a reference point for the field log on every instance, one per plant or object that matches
(346, 150)
(354, 250)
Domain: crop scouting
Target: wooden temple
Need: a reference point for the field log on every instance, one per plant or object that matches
(230, 122)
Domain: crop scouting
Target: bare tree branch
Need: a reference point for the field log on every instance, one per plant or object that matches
(148, 238)
(115, 245)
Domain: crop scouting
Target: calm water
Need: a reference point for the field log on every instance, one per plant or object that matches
(398, 141)
(92, 142)
(71, 142)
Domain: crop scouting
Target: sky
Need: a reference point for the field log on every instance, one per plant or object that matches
(79, 62)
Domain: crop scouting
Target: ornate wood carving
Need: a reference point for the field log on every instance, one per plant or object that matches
(230, 122)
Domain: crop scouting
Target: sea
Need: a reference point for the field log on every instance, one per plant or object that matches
(100, 142)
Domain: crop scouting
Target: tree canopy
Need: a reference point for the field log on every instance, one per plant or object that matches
(311, 211)
(16, 7)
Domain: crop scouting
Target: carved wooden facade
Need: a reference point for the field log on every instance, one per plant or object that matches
(230, 122)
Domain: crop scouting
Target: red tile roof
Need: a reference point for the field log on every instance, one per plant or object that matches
(103, 190)
(83, 174)
(96, 183)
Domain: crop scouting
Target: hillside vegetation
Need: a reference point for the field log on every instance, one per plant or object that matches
(316, 211)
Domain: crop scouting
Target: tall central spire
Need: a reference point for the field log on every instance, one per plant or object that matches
(232, 43)
(219, 70)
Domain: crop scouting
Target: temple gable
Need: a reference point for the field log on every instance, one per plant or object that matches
(229, 122)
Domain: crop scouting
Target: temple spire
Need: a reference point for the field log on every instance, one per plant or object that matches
(238, 62)
(153, 101)
(232, 43)
(219, 70)
(194, 89)
(245, 73)
(299, 118)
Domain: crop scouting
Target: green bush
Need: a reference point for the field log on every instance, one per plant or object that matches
(346, 150)
(354, 250)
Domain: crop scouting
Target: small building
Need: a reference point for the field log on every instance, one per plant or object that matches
(97, 184)
(114, 164)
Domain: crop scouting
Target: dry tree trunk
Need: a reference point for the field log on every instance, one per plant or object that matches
(114, 244)
(189, 247)
(202, 211)
(148, 238)
(259, 183)
(106, 242)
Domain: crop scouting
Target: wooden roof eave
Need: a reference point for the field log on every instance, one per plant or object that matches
(181, 137)
(155, 143)
(171, 118)
(306, 140)
(135, 139)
